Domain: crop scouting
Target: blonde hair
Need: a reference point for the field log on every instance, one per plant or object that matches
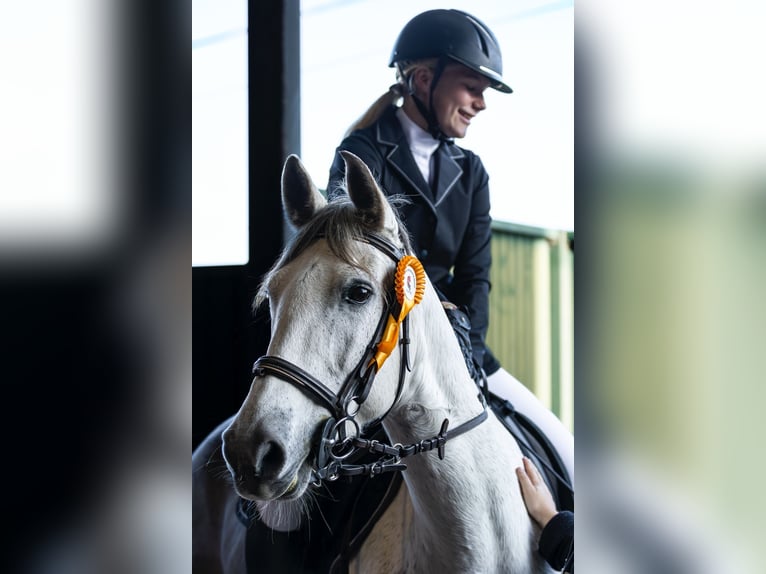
(395, 92)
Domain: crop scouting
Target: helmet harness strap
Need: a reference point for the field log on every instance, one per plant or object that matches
(428, 112)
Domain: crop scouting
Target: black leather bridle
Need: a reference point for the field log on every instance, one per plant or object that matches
(338, 446)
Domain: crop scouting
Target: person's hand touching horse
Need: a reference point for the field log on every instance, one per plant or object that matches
(537, 497)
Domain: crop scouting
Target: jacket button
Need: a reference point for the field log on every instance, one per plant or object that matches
(423, 253)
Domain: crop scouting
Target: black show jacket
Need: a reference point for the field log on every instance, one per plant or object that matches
(450, 230)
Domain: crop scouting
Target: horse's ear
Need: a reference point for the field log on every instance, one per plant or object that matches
(366, 195)
(300, 197)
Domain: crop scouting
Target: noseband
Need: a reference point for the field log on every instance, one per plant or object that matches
(337, 444)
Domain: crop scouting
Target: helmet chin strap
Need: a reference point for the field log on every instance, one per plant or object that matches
(428, 111)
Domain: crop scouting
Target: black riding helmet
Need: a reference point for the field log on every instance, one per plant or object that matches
(456, 35)
(449, 35)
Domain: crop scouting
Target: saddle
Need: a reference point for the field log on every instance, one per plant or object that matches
(532, 441)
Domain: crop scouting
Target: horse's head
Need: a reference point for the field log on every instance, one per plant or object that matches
(329, 296)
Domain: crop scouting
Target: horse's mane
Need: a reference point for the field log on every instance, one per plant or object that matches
(341, 224)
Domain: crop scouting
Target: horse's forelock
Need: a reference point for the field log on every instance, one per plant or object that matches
(341, 225)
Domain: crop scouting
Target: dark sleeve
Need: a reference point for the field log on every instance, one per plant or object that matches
(360, 145)
(471, 271)
(557, 542)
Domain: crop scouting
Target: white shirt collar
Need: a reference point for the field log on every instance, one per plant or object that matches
(422, 144)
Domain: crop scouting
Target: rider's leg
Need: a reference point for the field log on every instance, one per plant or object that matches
(508, 387)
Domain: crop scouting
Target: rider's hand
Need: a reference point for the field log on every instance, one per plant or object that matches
(537, 497)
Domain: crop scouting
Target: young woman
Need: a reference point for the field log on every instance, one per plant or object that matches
(444, 61)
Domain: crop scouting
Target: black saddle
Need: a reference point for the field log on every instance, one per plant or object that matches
(532, 441)
(536, 446)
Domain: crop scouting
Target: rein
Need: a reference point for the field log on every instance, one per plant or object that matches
(337, 448)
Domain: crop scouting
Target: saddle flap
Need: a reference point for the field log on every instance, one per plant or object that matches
(536, 446)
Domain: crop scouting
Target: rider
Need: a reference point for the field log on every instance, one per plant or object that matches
(444, 61)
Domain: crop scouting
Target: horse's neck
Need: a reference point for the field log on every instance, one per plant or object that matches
(468, 508)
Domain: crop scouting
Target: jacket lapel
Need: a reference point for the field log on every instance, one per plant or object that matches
(390, 134)
(450, 170)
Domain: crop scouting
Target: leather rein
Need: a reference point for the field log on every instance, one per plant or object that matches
(342, 439)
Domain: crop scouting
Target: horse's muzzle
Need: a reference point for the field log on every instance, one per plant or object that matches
(257, 465)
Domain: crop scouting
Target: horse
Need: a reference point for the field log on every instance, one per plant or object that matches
(360, 341)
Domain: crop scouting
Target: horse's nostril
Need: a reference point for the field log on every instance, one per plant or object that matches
(269, 459)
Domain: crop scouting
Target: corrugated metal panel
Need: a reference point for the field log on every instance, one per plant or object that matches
(531, 317)
(512, 322)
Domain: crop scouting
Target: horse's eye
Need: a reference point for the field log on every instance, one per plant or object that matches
(357, 294)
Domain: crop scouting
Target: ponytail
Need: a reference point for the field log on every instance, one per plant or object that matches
(376, 110)
(394, 94)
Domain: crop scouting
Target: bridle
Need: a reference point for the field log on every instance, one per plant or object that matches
(341, 436)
